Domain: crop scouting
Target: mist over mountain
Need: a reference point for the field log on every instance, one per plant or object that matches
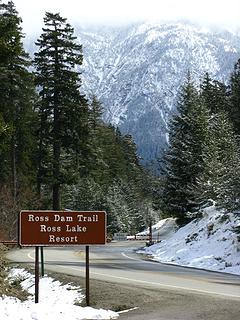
(136, 72)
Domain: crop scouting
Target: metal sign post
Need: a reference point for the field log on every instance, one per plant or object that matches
(87, 278)
(36, 274)
(42, 262)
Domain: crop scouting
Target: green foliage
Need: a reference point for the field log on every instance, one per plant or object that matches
(203, 158)
(114, 184)
(220, 150)
(218, 180)
(121, 200)
(54, 142)
(184, 159)
(62, 110)
(86, 194)
(16, 97)
(234, 110)
(4, 147)
(215, 95)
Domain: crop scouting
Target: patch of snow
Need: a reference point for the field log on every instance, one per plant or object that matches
(56, 301)
(228, 48)
(208, 243)
(153, 35)
(162, 229)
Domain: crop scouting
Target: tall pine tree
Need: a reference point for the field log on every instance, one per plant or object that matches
(63, 110)
(215, 95)
(16, 100)
(184, 158)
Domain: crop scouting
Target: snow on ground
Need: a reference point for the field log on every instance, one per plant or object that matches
(56, 301)
(208, 243)
(162, 229)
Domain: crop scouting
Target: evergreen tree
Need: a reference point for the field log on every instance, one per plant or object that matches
(4, 146)
(117, 208)
(220, 150)
(235, 97)
(218, 181)
(229, 186)
(95, 166)
(123, 207)
(215, 95)
(86, 194)
(16, 100)
(130, 154)
(184, 159)
(96, 112)
(63, 110)
(114, 182)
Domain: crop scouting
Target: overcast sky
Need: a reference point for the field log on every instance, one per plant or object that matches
(211, 12)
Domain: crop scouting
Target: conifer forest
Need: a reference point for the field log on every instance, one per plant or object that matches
(56, 152)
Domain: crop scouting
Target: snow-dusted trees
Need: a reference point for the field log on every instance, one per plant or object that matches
(114, 184)
(235, 97)
(203, 158)
(219, 177)
(184, 160)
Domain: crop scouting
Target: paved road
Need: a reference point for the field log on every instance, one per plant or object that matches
(118, 263)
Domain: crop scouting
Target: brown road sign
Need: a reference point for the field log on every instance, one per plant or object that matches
(57, 228)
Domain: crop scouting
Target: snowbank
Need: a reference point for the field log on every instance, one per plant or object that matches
(162, 229)
(208, 243)
(56, 302)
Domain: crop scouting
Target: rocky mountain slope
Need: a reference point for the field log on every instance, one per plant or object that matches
(136, 72)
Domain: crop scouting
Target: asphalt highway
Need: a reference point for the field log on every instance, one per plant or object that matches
(119, 263)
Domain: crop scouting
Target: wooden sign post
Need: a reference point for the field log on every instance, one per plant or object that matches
(61, 228)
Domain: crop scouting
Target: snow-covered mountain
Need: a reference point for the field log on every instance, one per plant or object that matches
(136, 72)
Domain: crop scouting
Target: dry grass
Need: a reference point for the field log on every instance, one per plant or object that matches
(6, 288)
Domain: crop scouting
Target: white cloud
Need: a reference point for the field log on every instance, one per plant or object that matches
(223, 13)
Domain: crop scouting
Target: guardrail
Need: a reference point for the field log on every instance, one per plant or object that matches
(9, 242)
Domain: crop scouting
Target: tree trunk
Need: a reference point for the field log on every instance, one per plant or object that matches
(56, 161)
(56, 174)
(14, 171)
(56, 196)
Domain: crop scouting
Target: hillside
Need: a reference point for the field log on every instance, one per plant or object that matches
(136, 72)
(208, 242)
